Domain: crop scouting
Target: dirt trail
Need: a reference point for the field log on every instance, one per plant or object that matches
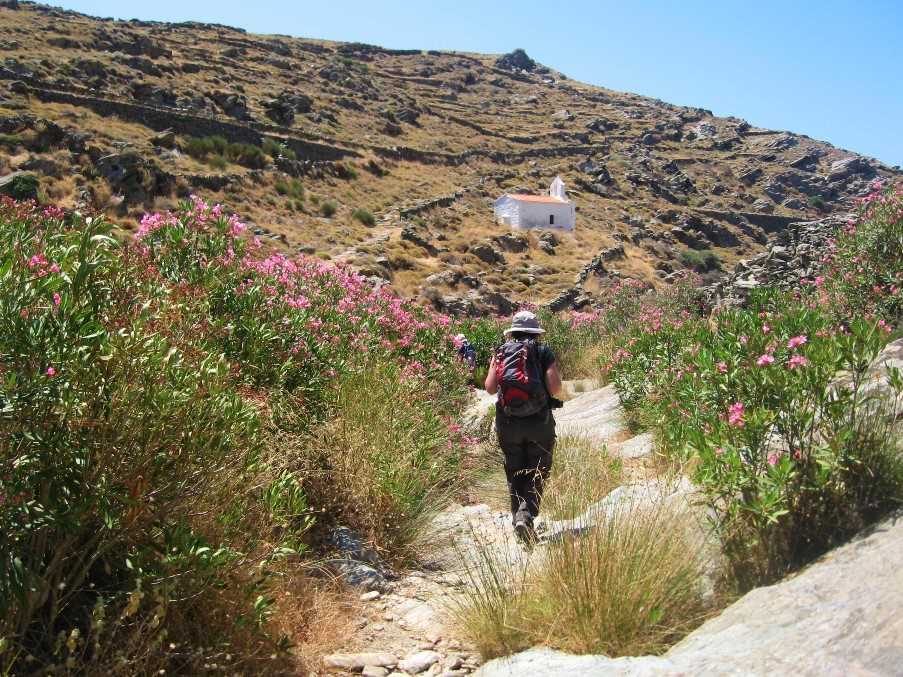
(406, 628)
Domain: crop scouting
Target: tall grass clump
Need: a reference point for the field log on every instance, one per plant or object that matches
(628, 583)
(630, 586)
(364, 217)
(150, 394)
(293, 189)
(395, 452)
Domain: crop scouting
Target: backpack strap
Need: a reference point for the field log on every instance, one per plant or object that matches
(534, 347)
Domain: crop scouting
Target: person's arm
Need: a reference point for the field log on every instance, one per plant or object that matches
(553, 380)
(492, 384)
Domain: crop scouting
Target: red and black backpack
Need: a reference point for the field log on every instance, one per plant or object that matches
(520, 378)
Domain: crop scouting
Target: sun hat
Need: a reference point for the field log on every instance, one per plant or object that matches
(525, 322)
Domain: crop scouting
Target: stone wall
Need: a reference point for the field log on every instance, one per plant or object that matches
(188, 124)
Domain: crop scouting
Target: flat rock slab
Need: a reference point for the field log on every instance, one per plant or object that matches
(419, 662)
(596, 414)
(356, 662)
(636, 447)
(635, 496)
(840, 616)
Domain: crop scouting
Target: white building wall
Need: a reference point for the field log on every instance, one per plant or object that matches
(522, 215)
(507, 212)
(536, 215)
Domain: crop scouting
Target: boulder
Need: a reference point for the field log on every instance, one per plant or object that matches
(232, 104)
(419, 662)
(750, 176)
(166, 139)
(847, 167)
(282, 109)
(515, 61)
(511, 242)
(794, 203)
(705, 130)
(153, 95)
(600, 125)
(783, 142)
(355, 662)
(412, 234)
(486, 253)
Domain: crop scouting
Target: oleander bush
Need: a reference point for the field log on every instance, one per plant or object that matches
(179, 417)
(790, 462)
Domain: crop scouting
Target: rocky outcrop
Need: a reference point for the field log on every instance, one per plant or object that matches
(838, 617)
(515, 61)
(793, 256)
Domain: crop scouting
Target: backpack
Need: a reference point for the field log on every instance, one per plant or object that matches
(468, 353)
(521, 381)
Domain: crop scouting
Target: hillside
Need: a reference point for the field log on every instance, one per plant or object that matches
(390, 159)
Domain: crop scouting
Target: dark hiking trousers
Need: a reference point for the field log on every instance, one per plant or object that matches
(527, 446)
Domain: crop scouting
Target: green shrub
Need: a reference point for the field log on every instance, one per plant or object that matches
(217, 162)
(10, 141)
(702, 261)
(818, 202)
(294, 189)
(216, 151)
(329, 208)
(364, 217)
(23, 187)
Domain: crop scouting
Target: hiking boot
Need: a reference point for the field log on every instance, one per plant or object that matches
(524, 532)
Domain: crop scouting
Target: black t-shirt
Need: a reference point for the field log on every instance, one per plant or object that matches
(546, 359)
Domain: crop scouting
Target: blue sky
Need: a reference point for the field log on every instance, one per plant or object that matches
(829, 69)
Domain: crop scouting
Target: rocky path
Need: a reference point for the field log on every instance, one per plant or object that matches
(405, 626)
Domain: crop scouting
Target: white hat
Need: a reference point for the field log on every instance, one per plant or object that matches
(525, 322)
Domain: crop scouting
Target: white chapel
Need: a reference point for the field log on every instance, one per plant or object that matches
(522, 212)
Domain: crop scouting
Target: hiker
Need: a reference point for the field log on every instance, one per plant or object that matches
(524, 374)
(466, 351)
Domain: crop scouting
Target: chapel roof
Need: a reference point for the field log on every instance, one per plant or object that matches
(536, 198)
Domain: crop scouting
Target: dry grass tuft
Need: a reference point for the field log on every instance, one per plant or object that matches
(630, 585)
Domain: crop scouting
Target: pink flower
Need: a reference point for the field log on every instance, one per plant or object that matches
(797, 361)
(722, 367)
(796, 341)
(765, 328)
(735, 415)
(744, 340)
(57, 299)
(719, 451)
(37, 261)
(765, 360)
(772, 459)
(51, 371)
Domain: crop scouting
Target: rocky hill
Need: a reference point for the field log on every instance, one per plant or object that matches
(390, 159)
